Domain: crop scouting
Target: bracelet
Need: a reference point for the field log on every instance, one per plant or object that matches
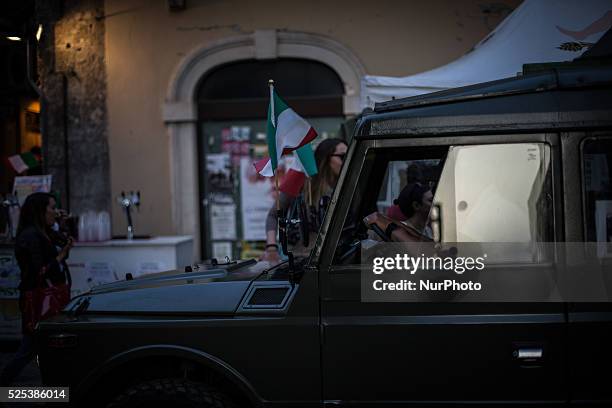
(275, 246)
(390, 228)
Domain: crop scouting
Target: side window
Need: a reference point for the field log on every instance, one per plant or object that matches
(496, 193)
(499, 193)
(384, 174)
(481, 193)
(596, 164)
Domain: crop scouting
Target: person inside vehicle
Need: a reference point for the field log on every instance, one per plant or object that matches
(414, 174)
(329, 156)
(414, 202)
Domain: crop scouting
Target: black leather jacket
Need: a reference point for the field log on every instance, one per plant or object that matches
(34, 251)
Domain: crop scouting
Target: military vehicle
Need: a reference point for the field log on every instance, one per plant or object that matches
(531, 159)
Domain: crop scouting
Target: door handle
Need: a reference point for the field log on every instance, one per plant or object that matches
(529, 356)
(529, 353)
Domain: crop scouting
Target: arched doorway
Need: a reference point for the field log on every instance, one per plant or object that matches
(232, 102)
(180, 108)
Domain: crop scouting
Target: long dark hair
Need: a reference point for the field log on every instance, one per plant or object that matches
(33, 212)
(412, 193)
(325, 179)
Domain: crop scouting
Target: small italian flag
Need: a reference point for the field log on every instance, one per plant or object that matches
(24, 161)
(303, 165)
(286, 132)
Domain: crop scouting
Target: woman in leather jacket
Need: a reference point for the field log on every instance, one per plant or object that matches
(41, 253)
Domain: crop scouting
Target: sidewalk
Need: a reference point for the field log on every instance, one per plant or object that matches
(30, 376)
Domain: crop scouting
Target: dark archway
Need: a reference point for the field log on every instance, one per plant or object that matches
(239, 90)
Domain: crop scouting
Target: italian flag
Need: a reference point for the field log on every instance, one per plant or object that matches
(286, 132)
(303, 165)
(22, 162)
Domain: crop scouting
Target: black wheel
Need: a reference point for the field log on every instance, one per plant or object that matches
(171, 392)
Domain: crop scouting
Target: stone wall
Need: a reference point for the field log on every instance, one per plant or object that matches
(72, 77)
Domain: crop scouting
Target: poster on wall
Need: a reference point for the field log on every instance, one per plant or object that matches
(10, 274)
(26, 185)
(86, 275)
(149, 267)
(222, 250)
(236, 141)
(257, 197)
(223, 221)
(101, 272)
(219, 172)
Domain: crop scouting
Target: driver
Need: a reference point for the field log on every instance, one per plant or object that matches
(415, 202)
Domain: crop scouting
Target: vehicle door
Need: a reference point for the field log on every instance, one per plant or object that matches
(406, 352)
(587, 163)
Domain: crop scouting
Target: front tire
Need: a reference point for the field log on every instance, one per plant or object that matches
(171, 392)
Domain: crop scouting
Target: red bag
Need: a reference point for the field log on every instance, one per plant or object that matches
(41, 303)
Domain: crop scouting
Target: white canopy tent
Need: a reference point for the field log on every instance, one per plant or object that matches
(537, 31)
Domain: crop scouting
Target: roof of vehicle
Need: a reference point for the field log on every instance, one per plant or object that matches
(560, 96)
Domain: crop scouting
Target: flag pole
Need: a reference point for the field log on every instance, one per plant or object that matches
(277, 192)
(271, 85)
(280, 217)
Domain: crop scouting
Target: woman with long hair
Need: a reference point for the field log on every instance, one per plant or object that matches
(42, 261)
(329, 156)
(414, 202)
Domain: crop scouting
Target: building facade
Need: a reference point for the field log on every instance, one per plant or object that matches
(142, 95)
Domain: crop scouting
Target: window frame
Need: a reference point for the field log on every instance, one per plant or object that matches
(583, 192)
(328, 239)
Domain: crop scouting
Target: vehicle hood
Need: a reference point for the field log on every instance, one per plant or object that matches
(214, 290)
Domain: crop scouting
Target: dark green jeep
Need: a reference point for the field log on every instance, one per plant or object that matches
(527, 159)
